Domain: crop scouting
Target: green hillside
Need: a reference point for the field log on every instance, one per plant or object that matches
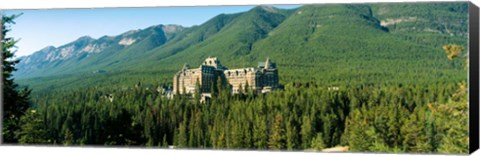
(330, 44)
(411, 18)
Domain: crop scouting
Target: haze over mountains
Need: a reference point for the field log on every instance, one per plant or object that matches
(89, 51)
(314, 42)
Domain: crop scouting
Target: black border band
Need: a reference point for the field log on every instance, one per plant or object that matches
(473, 78)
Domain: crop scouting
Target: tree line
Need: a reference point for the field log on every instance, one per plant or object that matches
(400, 118)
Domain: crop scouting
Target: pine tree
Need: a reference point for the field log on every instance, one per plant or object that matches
(198, 91)
(221, 142)
(292, 135)
(33, 129)
(182, 136)
(15, 103)
(240, 89)
(358, 133)
(219, 85)
(277, 137)
(68, 138)
(414, 133)
(164, 142)
(317, 143)
(306, 132)
(247, 89)
(191, 129)
(236, 135)
(260, 135)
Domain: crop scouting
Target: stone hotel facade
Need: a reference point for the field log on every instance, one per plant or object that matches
(262, 79)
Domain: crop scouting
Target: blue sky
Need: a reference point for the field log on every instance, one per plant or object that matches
(37, 29)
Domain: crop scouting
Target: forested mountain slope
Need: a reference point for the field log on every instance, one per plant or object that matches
(331, 44)
(87, 54)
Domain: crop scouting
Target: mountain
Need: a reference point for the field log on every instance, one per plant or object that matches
(414, 18)
(331, 44)
(86, 51)
(232, 38)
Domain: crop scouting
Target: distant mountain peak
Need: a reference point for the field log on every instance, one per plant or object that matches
(130, 32)
(269, 8)
(265, 8)
(170, 28)
(48, 48)
(86, 37)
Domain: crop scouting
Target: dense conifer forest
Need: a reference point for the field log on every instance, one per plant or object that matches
(304, 116)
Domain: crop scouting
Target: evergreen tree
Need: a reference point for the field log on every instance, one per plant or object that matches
(247, 89)
(291, 135)
(68, 138)
(33, 130)
(317, 143)
(221, 142)
(182, 136)
(414, 133)
(15, 102)
(358, 133)
(198, 91)
(277, 136)
(306, 132)
(260, 133)
(164, 142)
